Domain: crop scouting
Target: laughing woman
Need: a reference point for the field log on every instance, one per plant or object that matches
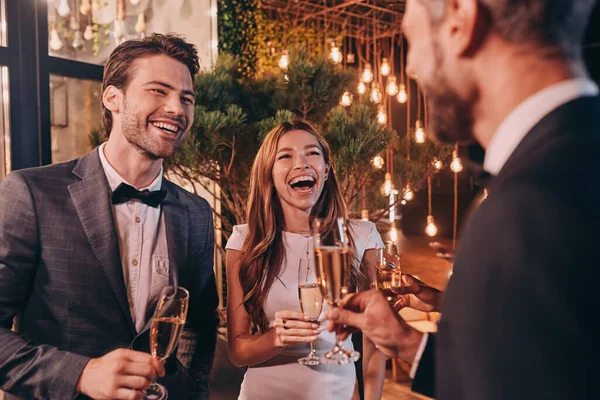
(292, 181)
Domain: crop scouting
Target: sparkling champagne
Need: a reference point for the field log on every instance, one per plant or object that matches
(311, 300)
(164, 336)
(389, 283)
(332, 272)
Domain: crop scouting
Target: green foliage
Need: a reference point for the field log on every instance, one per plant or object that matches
(413, 162)
(239, 22)
(312, 85)
(96, 137)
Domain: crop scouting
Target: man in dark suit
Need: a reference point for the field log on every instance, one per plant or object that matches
(518, 310)
(84, 254)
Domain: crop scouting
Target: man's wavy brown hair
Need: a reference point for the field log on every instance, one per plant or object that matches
(119, 68)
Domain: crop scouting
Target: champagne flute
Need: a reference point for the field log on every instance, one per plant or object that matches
(388, 272)
(332, 250)
(311, 302)
(166, 328)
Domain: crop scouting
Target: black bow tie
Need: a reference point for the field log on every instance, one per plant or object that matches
(125, 192)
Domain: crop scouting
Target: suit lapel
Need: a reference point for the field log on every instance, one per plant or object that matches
(176, 225)
(91, 198)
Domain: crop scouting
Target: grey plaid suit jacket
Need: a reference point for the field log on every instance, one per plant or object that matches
(60, 270)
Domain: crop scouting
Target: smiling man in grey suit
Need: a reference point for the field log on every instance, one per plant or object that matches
(84, 254)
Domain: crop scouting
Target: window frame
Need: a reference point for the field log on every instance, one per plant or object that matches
(30, 67)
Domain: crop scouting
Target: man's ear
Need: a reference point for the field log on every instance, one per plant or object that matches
(468, 27)
(111, 98)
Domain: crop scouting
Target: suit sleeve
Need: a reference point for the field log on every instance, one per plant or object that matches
(203, 310)
(26, 370)
(522, 297)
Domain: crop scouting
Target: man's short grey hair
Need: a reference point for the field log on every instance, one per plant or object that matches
(555, 26)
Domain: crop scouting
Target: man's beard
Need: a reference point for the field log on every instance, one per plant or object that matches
(450, 116)
(136, 132)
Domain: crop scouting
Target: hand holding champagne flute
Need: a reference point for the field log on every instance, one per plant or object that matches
(167, 325)
(332, 249)
(311, 302)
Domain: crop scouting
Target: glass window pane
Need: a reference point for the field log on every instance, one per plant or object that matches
(74, 115)
(3, 23)
(88, 30)
(4, 123)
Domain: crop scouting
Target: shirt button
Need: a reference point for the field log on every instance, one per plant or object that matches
(135, 262)
(137, 219)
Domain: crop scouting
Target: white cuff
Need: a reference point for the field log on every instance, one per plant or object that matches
(420, 350)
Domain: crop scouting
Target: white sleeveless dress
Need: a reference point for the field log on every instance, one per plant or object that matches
(282, 377)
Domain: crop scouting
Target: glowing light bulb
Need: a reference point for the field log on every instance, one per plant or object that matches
(140, 26)
(55, 42)
(408, 193)
(431, 230)
(362, 88)
(89, 33)
(402, 95)
(350, 58)
(335, 54)
(134, 2)
(381, 117)
(346, 100)
(73, 24)
(63, 8)
(392, 203)
(385, 69)
(393, 234)
(456, 165)
(387, 186)
(376, 95)
(85, 7)
(119, 31)
(78, 41)
(419, 133)
(367, 75)
(392, 86)
(284, 61)
(403, 202)
(377, 161)
(437, 164)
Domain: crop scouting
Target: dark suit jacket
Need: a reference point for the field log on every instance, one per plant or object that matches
(60, 269)
(518, 310)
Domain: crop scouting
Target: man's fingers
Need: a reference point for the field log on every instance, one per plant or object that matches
(134, 382)
(346, 317)
(135, 356)
(129, 394)
(146, 370)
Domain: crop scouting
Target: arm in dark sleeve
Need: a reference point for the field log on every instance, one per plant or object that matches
(26, 370)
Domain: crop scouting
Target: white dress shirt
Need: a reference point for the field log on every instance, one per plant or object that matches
(514, 128)
(142, 244)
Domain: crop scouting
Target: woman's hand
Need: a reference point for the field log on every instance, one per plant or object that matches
(294, 327)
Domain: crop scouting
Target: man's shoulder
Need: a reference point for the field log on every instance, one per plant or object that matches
(46, 173)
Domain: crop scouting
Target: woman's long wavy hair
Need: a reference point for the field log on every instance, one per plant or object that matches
(263, 251)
